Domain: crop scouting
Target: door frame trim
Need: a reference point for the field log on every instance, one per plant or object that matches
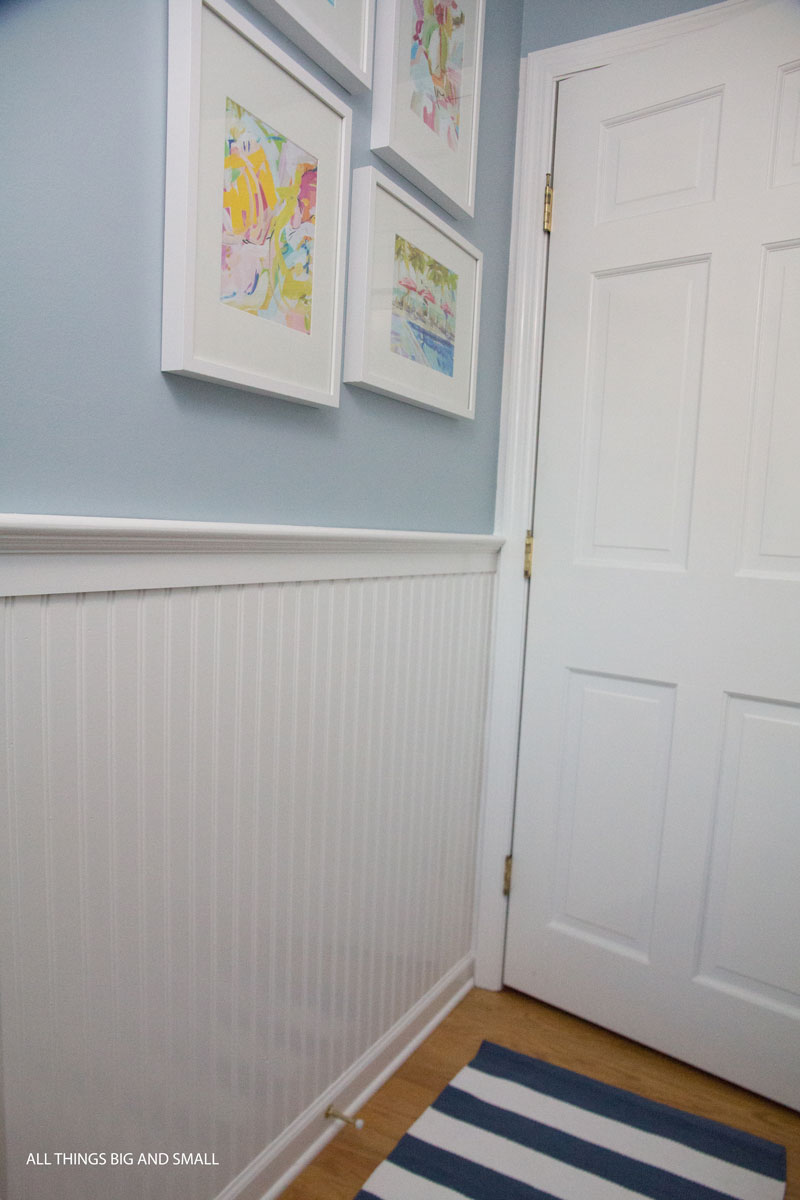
(540, 73)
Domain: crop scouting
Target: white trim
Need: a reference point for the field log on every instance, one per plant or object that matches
(31, 533)
(419, 155)
(187, 347)
(556, 62)
(352, 70)
(514, 500)
(44, 555)
(306, 1136)
(368, 358)
(517, 453)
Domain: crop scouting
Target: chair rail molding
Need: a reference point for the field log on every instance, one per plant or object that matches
(44, 555)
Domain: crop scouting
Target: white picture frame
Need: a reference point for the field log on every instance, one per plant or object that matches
(413, 309)
(226, 80)
(425, 116)
(339, 37)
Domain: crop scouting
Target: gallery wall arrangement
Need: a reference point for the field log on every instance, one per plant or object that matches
(258, 191)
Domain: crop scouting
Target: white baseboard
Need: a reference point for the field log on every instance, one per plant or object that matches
(277, 1165)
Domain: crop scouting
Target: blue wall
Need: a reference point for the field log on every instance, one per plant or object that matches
(89, 423)
(550, 22)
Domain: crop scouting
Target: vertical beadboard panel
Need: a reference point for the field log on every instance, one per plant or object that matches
(239, 848)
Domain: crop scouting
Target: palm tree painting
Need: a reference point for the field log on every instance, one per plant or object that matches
(268, 219)
(437, 56)
(423, 308)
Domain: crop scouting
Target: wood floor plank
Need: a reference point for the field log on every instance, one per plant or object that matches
(523, 1024)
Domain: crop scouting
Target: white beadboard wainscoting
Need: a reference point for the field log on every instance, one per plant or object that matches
(241, 769)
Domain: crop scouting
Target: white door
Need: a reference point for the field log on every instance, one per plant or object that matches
(656, 884)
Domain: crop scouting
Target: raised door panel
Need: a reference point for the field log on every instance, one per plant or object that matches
(613, 786)
(647, 332)
(751, 936)
(772, 529)
(659, 158)
(786, 155)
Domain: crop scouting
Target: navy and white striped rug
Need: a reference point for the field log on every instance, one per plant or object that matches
(510, 1127)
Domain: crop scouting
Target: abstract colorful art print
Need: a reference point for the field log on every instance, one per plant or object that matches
(268, 221)
(247, 235)
(423, 326)
(437, 59)
(413, 304)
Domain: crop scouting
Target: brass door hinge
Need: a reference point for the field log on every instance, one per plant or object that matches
(547, 220)
(507, 875)
(528, 567)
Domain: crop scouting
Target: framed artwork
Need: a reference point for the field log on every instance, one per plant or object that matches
(426, 99)
(413, 305)
(258, 157)
(337, 34)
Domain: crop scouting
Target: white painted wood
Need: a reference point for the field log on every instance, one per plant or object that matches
(304, 1139)
(338, 37)
(771, 539)
(539, 78)
(640, 423)
(238, 860)
(663, 159)
(636, 853)
(617, 741)
(760, 740)
(515, 480)
(41, 555)
(786, 154)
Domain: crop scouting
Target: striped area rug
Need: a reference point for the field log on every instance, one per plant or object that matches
(510, 1127)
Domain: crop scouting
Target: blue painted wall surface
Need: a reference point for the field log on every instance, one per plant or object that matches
(551, 22)
(89, 423)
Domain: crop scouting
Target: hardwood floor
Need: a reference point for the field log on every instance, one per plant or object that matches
(526, 1025)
